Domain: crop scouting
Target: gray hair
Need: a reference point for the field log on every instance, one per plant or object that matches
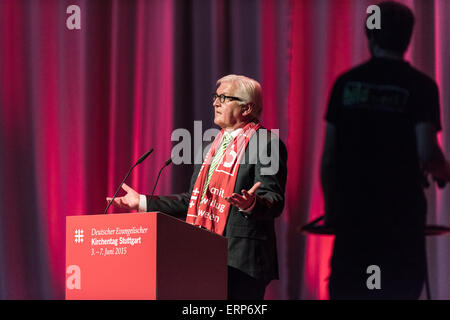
(248, 89)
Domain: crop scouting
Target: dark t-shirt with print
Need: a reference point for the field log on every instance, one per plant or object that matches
(375, 108)
(381, 208)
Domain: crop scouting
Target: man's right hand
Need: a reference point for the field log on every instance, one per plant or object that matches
(130, 201)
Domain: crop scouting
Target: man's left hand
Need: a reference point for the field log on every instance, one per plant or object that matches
(245, 200)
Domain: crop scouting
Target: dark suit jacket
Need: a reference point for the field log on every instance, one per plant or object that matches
(251, 236)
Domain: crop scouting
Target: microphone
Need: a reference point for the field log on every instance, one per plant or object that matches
(129, 171)
(169, 161)
(144, 157)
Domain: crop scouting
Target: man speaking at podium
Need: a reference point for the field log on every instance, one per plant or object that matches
(234, 193)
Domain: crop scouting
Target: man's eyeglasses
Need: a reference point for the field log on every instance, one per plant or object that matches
(223, 97)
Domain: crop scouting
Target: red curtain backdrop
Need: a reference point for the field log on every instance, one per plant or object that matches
(79, 107)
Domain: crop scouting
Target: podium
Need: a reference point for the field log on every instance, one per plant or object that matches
(147, 256)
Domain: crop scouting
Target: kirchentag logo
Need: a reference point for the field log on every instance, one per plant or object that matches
(194, 196)
(79, 236)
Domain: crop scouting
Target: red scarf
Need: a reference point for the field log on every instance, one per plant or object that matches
(212, 211)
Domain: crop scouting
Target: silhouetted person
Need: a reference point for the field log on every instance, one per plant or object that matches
(382, 121)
